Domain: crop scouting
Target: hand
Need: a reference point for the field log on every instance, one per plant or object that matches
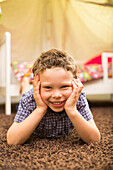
(36, 93)
(73, 98)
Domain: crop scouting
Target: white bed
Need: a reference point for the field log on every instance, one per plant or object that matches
(104, 85)
(10, 88)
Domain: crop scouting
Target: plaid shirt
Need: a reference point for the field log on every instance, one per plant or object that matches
(52, 124)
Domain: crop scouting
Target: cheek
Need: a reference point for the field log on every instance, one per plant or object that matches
(44, 95)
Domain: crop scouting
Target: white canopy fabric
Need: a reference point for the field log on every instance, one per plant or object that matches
(84, 28)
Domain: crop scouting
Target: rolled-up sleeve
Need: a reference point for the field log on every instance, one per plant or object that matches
(26, 106)
(83, 107)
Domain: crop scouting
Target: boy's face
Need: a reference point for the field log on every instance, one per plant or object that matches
(56, 87)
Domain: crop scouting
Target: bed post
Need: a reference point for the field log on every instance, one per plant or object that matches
(8, 73)
(105, 56)
(7, 88)
(105, 65)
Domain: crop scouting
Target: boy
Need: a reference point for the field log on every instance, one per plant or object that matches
(56, 104)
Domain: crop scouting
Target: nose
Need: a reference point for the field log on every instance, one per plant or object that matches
(57, 94)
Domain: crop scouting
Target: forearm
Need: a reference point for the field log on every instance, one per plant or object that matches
(18, 133)
(87, 131)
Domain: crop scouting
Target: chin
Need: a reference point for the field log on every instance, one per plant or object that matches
(57, 109)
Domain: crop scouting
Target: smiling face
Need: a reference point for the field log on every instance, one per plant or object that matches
(56, 87)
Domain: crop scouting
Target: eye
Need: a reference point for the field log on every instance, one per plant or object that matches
(47, 87)
(65, 86)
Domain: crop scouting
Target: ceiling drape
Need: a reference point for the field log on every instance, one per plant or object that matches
(82, 28)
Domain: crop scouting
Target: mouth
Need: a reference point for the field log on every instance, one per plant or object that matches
(58, 104)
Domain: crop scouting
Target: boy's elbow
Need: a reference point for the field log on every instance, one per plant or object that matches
(98, 137)
(11, 140)
(95, 138)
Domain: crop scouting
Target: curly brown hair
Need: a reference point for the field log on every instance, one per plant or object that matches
(55, 58)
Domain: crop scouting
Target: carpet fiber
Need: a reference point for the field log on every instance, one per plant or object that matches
(61, 153)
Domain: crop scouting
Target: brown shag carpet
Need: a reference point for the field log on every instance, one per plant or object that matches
(62, 153)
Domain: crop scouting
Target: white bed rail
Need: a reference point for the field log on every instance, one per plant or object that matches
(6, 88)
(105, 56)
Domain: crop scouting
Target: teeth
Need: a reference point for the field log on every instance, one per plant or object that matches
(57, 103)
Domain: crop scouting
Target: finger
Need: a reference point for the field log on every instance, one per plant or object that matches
(78, 83)
(79, 86)
(35, 81)
(37, 87)
(36, 90)
(75, 87)
(78, 80)
(36, 84)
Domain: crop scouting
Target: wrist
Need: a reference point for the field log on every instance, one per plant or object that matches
(71, 111)
(42, 110)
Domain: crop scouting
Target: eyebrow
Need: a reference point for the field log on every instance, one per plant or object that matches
(67, 82)
(46, 83)
(49, 84)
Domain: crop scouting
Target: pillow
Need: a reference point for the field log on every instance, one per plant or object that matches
(22, 69)
(89, 72)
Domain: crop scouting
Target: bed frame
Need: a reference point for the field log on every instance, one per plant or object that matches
(101, 86)
(9, 89)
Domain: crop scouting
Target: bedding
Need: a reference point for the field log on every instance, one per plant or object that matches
(92, 71)
(22, 69)
(85, 72)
